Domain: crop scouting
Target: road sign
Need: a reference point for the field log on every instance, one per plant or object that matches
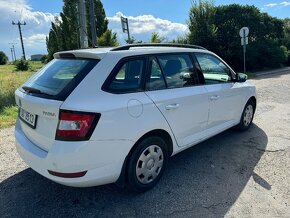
(244, 41)
(244, 32)
(124, 22)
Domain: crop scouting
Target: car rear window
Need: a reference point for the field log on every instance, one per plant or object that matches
(59, 78)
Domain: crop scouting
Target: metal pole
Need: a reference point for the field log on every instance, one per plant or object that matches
(11, 49)
(129, 38)
(20, 32)
(244, 49)
(93, 23)
(82, 24)
(14, 52)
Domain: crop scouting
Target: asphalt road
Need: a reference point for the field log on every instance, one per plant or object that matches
(233, 175)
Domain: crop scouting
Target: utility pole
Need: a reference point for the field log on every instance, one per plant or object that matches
(82, 24)
(13, 49)
(20, 33)
(93, 23)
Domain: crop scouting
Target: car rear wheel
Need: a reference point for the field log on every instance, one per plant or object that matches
(146, 164)
(247, 116)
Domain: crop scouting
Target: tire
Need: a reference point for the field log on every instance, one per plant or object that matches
(146, 164)
(247, 116)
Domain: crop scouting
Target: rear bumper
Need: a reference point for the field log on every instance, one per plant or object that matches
(102, 160)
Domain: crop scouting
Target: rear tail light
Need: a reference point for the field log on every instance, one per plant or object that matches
(76, 126)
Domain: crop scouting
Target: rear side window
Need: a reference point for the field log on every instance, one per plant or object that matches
(127, 78)
(59, 77)
(178, 70)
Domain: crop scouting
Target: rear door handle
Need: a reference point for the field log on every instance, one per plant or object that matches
(214, 97)
(171, 106)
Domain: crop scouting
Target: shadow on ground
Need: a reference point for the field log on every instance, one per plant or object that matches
(202, 181)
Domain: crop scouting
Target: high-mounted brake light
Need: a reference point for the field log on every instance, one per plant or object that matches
(76, 126)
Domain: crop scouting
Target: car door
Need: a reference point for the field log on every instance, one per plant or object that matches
(175, 87)
(225, 96)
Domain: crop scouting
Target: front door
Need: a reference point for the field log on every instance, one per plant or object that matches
(224, 95)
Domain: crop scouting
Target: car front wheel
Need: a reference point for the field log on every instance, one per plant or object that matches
(247, 116)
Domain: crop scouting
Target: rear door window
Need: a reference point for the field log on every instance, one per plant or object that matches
(178, 70)
(59, 77)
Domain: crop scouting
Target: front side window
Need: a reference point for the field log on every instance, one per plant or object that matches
(128, 77)
(213, 69)
(178, 70)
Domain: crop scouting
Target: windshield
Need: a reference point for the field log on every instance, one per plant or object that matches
(58, 77)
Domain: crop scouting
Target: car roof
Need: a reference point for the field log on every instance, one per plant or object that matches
(129, 50)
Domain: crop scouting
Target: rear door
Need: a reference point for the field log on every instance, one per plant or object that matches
(39, 99)
(225, 96)
(175, 87)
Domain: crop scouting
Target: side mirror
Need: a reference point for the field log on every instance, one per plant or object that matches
(185, 75)
(241, 77)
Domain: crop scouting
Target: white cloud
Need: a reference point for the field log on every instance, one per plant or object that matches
(271, 5)
(285, 3)
(142, 26)
(34, 32)
(281, 4)
(35, 40)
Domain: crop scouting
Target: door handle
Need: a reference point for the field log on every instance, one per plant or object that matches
(171, 106)
(214, 97)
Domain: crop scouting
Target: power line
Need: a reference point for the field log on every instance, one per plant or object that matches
(19, 24)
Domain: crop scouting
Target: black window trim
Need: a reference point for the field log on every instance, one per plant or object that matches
(115, 71)
(150, 58)
(189, 54)
(197, 65)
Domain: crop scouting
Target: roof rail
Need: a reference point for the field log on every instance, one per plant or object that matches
(127, 47)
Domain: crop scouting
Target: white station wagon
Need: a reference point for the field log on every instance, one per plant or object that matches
(105, 115)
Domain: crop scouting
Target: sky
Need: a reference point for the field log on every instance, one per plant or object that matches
(167, 17)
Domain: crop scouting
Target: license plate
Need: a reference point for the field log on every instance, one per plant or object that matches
(28, 118)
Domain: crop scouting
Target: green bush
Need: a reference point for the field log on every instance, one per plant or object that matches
(264, 54)
(3, 58)
(22, 65)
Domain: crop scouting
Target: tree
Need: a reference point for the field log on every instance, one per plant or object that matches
(109, 38)
(64, 33)
(3, 58)
(181, 40)
(202, 30)
(101, 20)
(156, 38)
(265, 34)
(132, 40)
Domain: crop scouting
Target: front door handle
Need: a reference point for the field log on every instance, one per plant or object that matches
(214, 97)
(171, 106)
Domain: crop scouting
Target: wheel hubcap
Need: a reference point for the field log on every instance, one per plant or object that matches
(149, 164)
(248, 115)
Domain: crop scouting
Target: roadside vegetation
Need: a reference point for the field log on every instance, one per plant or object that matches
(10, 80)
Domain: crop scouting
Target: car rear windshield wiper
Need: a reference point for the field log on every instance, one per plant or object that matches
(33, 90)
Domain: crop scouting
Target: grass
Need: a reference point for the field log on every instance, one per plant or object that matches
(10, 80)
